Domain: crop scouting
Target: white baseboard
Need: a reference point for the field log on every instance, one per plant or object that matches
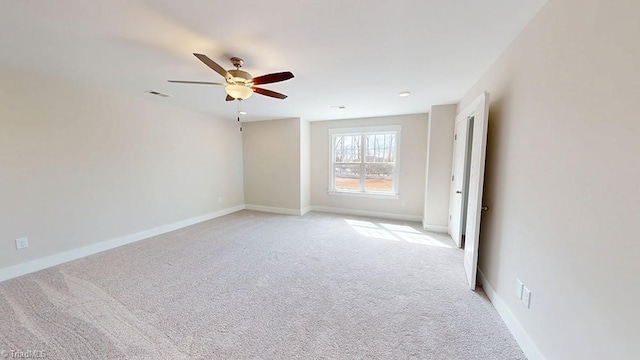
(522, 338)
(366, 213)
(74, 254)
(274, 210)
(436, 228)
(305, 210)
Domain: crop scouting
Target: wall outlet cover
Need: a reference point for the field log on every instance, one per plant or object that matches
(519, 287)
(526, 297)
(22, 243)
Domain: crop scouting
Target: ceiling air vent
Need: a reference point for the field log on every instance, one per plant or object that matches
(153, 92)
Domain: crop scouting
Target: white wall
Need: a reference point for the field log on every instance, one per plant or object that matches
(439, 163)
(562, 179)
(272, 176)
(305, 166)
(80, 166)
(409, 205)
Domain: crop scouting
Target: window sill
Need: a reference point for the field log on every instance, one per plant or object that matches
(365, 194)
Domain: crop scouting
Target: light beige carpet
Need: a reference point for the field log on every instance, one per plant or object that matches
(253, 285)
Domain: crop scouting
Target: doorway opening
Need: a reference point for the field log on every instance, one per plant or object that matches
(468, 138)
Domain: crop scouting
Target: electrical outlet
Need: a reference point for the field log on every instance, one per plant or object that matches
(22, 243)
(219, 199)
(526, 297)
(519, 286)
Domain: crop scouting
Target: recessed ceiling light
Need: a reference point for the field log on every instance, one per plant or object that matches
(242, 113)
(404, 94)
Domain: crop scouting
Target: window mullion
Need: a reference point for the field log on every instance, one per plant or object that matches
(362, 166)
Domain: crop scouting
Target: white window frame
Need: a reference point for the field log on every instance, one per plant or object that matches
(362, 131)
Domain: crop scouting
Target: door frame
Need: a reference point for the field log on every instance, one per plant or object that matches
(479, 111)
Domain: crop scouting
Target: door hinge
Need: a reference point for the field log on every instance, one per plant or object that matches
(452, 177)
(449, 217)
(455, 137)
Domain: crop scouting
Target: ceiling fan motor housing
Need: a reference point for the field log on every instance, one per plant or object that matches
(240, 77)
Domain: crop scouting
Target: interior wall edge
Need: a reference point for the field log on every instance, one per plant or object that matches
(519, 333)
(345, 211)
(32, 266)
(273, 209)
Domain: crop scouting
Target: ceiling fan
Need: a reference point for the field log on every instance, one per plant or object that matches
(239, 84)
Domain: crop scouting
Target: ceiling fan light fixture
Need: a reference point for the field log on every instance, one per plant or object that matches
(240, 92)
(240, 85)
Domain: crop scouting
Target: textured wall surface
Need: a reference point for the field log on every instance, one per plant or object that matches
(80, 166)
(562, 178)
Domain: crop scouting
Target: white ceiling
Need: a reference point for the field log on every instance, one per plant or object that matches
(356, 53)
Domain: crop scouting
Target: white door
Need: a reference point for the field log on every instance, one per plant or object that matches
(479, 111)
(458, 175)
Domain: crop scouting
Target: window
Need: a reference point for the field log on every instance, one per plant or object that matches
(365, 160)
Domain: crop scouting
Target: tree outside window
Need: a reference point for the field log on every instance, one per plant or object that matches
(365, 160)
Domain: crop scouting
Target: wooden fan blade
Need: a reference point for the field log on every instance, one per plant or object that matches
(271, 78)
(229, 98)
(270, 93)
(213, 65)
(194, 82)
